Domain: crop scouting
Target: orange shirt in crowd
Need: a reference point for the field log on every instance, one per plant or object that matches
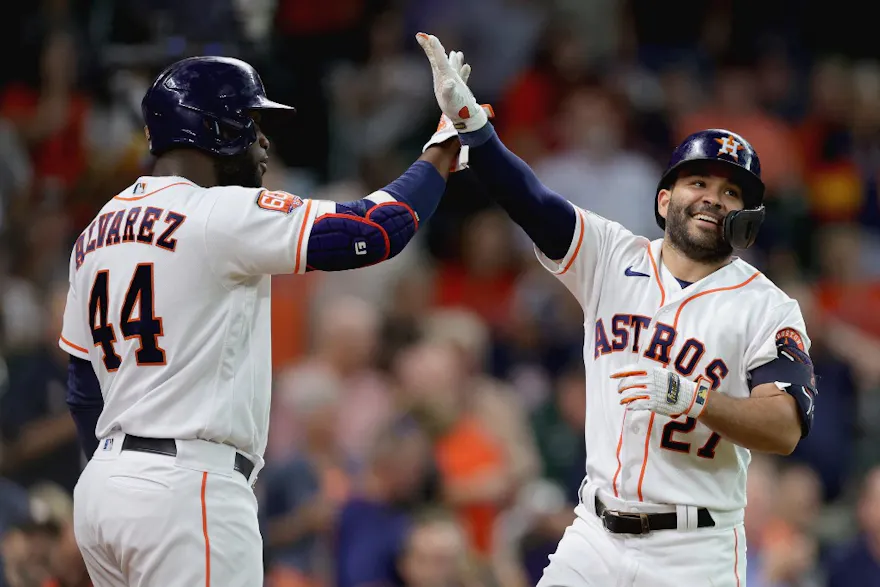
(465, 453)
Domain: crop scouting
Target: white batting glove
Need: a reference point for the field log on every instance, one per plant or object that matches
(453, 95)
(660, 391)
(446, 129)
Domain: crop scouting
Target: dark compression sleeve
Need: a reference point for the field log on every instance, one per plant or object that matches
(548, 218)
(85, 402)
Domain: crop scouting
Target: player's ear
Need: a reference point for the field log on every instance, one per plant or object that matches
(663, 198)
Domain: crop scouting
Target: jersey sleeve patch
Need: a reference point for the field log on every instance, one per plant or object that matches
(278, 201)
(789, 337)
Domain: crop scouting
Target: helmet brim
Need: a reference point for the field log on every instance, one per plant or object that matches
(264, 104)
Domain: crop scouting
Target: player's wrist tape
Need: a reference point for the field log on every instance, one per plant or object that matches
(446, 130)
(679, 389)
(477, 137)
(701, 397)
(477, 118)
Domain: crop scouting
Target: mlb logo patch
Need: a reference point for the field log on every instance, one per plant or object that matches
(140, 187)
(108, 444)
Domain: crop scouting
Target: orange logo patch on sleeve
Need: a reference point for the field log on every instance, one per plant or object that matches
(278, 201)
(792, 335)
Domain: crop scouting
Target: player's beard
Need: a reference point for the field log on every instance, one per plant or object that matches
(238, 170)
(705, 247)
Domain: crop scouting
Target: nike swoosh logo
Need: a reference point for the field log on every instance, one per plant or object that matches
(630, 273)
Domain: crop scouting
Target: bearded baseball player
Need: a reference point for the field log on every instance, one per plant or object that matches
(168, 325)
(693, 357)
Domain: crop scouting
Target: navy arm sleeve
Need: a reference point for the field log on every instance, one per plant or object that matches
(548, 218)
(372, 230)
(85, 402)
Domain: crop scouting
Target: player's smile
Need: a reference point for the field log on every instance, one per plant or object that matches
(707, 220)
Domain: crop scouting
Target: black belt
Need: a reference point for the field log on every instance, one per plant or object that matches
(633, 523)
(168, 447)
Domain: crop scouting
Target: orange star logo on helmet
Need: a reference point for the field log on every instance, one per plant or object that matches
(729, 146)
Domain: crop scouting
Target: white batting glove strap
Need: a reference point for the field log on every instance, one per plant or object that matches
(446, 131)
(660, 391)
(450, 88)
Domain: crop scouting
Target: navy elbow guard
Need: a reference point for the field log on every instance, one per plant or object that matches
(360, 234)
(792, 370)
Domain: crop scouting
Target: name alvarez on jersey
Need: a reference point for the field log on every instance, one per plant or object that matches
(135, 224)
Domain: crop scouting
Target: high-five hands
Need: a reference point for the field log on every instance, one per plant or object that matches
(461, 112)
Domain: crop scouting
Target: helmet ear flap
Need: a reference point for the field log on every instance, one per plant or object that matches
(741, 227)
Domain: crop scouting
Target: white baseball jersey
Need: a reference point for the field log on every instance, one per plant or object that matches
(718, 329)
(170, 301)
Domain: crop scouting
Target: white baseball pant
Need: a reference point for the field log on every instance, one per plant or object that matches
(150, 520)
(588, 555)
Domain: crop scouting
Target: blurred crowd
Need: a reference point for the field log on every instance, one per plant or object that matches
(428, 412)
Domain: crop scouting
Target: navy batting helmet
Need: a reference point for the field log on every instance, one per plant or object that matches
(206, 103)
(717, 144)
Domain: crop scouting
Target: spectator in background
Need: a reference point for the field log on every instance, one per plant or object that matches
(760, 490)
(15, 170)
(308, 37)
(476, 477)
(825, 139)
(528, 109)
(64, 561)
(346, 334)
(39, 549)
(378, 105)
(484, 277)
(39, 437)
(301, 496)
(409, 301)
(830, 447)
(779, 518)
(592, 166)
(846, 294)
(14, 512)
(734, 105)
(866, 141)
(858, 563)
(499, 51)
(373, 525)
(26, 550)
(495, 403)
(543, 334)
(559, 428)
(50, 116)
(436, 555)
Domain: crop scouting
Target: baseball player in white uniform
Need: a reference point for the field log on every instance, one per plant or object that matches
(168, 326)
(693, 357)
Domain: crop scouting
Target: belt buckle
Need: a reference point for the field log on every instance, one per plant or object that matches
(642, 517)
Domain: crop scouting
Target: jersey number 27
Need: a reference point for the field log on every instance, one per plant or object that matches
(147, 328)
